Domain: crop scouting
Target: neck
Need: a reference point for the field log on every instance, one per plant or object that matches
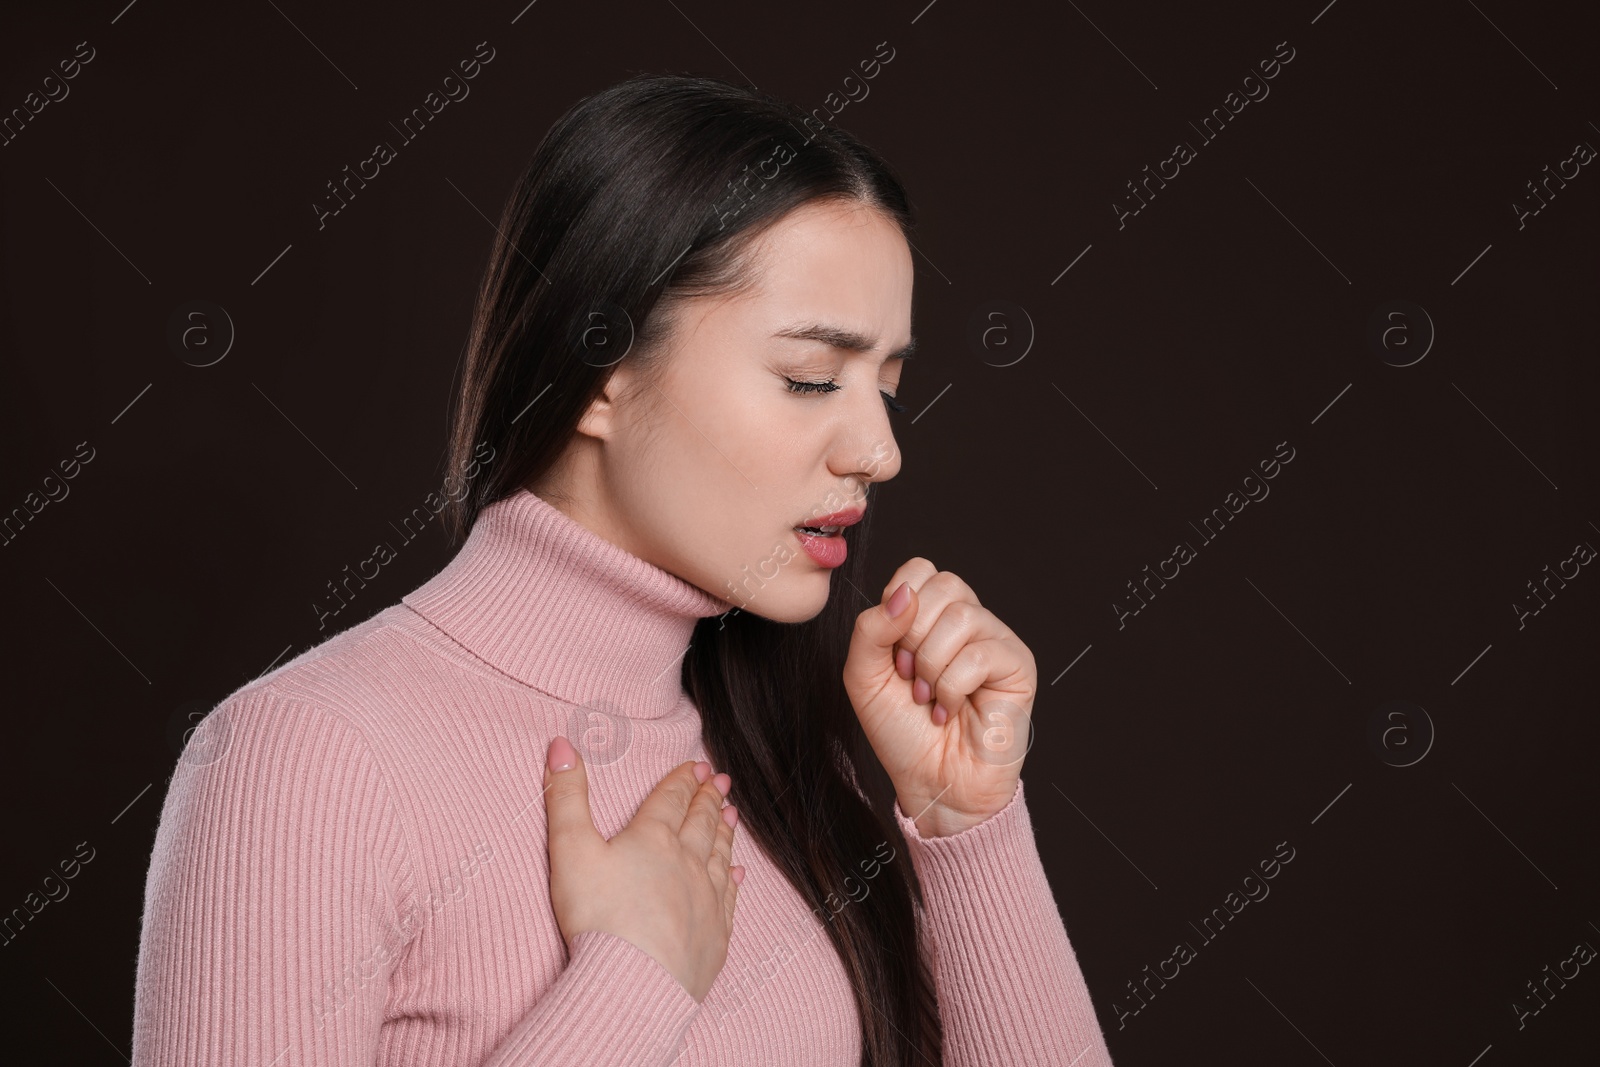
(542, 598)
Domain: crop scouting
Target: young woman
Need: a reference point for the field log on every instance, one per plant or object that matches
(646, 774)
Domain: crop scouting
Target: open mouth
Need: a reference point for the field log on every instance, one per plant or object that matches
(830, 525)
(823, 537)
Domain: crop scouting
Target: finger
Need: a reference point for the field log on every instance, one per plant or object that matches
(568, 820)
(699, 830)
(985, 662)
(959, 626)
(730, 895)
(878, 628)
(934, 598)
(941, 590)
(668, 802)
(722, 850)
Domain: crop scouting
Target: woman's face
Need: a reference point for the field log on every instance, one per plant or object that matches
(707, 470)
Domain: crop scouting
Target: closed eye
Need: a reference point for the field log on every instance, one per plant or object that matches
(829, 386)
(826, 386)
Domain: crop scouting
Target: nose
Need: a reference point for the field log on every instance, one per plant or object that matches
(865, 446)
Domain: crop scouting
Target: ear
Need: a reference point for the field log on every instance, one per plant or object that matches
(606, 412)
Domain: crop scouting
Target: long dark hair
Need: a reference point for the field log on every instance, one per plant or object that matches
(641, 196)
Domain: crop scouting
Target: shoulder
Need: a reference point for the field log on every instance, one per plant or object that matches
(329, 707)
(377, 694)
(271, 791)
(389, 666)
(266, 745)
(278, 802)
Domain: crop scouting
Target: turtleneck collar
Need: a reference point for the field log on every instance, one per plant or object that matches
(541, 597)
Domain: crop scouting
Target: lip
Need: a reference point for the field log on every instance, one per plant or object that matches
(838, 518)
(826, 552)
(829, 552)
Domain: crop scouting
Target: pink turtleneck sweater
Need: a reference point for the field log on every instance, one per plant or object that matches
(351, 867)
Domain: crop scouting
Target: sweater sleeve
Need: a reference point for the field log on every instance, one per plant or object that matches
(1010, 991)
(272, 927)
(270, 921)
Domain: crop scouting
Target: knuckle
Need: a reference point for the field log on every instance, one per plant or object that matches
(965, 613)
(866, 623)
(657, 836)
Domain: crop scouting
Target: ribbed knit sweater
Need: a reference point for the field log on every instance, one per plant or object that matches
(351, 864)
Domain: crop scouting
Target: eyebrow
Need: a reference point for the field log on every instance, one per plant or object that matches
(839, 337)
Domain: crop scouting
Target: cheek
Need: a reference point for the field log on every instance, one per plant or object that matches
(737, 447)
(777, 437)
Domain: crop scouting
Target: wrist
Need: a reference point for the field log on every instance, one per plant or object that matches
(936, 820)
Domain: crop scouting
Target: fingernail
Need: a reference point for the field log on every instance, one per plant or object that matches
(939, 715)
(730, 815)
(723, 783)
(737, 874)
(921, 691)
(901, 598)
(904, 662)
(563, 757)
(702, 771)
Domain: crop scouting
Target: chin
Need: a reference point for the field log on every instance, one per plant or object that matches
(800, 599)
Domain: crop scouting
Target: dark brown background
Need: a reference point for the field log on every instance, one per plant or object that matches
(1230, 715)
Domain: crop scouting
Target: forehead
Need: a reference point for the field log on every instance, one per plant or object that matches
(843, 263)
